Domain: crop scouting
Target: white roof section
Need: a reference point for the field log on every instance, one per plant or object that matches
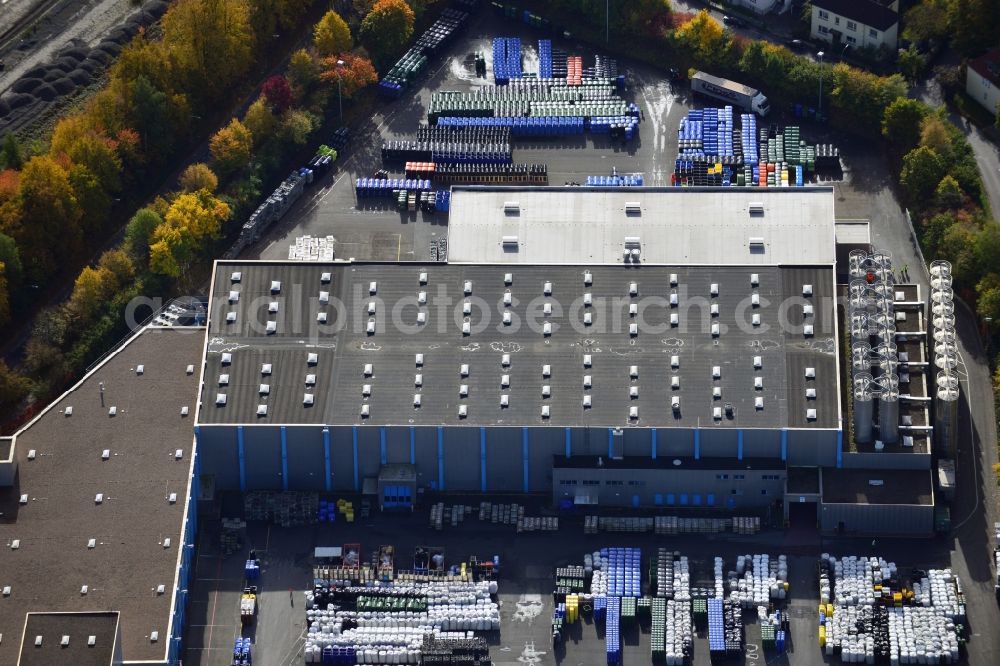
(581, 225)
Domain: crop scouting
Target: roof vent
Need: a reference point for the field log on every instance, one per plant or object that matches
(633, 309)
(755, 319)
(68, 411)
(545, 411)
(308, 399)
(172, 498)
(230, 317)
(220, 399)
(468, 287)
(463, 411)
(422, 278)
(31, 454)
(161, 588)
(139, 369)
(418, 380)
(324, 297)
(807, 330)
(505, 360)
(271, 328)
(673, 279)
(99, 498)
(466, 328)
(810, 414)
(325, 278)
(463, 370)
(807, 290)
(632, 208)
(546, 390)
(675, 382)
(373, 287)
(754, 279)
(758, 362)
(509, 240)
(675, 403)
(547, 288)
(275, 286)
(154, 636)
(261, 410)
(546, 370)
(547, 309)
(421, 317)
(112, 410)
(758, 383)
(587, 401)
(320, 317)
(755, 207)
(512, 207)
(588, 360)
(811, 393)
(633, 392)
(265, 368)
(633, 289)
(508, 298)
(588, 381)
(633, 412)
(312, 358)
(716, 372)
(106, 454)
(716, 330)
(310, 380)
(38, 640)
(92, 640)
(504, 381)
(234, 296)
(633, 371)
(15, 544)
(810, 373)
(547, 329)
(807, 310)
(714, 309)
(633, 329)
(422, 298)
(416, 399)
(714, 289)
(370, 327)
(368, 369)
(504, 400)
(755, 299)
(675, 361)
(190, 369)
(716, 392)
(717, 413)
(756, 242)
(463, 391)
(366, 390)
(673, 299)
(23, 499)
(365, 411)
(236, 276)
(264, 389)
(588, 299)
(418, 359)
(272, 307)
(178, 454)
(758, 403)
(588, 278)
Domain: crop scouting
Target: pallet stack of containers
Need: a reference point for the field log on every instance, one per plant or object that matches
(574, 70)
(485, 174)
(624, 573)
(716, 629)
(658, 618)
(377, 188)
(242, 652)
(414, 61)
(559, 63)
(635, 180)
(545, 59)
(612, 631)
(600, 607)
(628, 606)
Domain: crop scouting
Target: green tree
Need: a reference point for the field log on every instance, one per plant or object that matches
(10, 155)
(988, 299)
(139, 230)
(933, 231)
(922, 170)
(972, 25)
(987, 249)
(958, 246)
(198, 176)
(210, 43)
(231, 147)
(296, 126)
(331, 35)
(11, 258)
(925, 21)
(260, 121)
(91, 290)
(4, 296)
(386, 29)
(92, 199)
(149, 115)
(49, 235)
(13, 387)
(302, 71)
(935, 134)
(948, 193)
(902, 122)
(912, 63)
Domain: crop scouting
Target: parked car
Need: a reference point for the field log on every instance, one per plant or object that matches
(734, 21)
(796, 45)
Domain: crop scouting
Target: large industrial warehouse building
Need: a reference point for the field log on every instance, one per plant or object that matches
(628, 347)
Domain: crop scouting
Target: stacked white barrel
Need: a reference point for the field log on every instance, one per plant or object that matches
(758, 579)
(678, 632)
(718, 570)
(682, 580)
(919, 635)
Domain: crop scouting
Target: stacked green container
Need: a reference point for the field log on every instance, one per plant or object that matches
(658, 621)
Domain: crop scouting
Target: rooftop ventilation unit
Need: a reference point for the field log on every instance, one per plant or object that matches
(547, 288)
(310, 380)
(271, 328)
(716, 330)
(588, 381)
(504, 401)
(758, 383)
(675, 403)
(172, 498)
(368, 369)
(675, 361)
(546, 370)
(588, 299)
(716, 372)
(106, 454)
(275, 286)
(633, 330)
(633, 392)
(227, 358)
(810, 373)
(507, 298)
(190, 369)
(807, 330)
(633, 208)
(633, 371)
(321, 317)
(546, 390)
(754, 279)
(633, 413)
(418, 359)
(807, 290)
(714, 309)
(466, 328)
(38, 641)
(633, 289)
(587, 402)
(675, 319)
(261, 410)
(421, 317)
(758, 403)
(505, 360)
(418, 380)
(422, 298)
(265, 369)
(234, 296)
(463, 411)
(371, 307)
(416, 400)
(811, 393)
(99, 498)
(755, 300)
(508, 279)
(422, 277)
(755, 319)
(31, 454)
(366, 390)
(758, 362)
(312, 358)
(365, 411)
(236, 276)
(588, 278)
(68, 411)
(545, 411)
(139, 369)
(23, 499)
(504, 381)
(675, 382)
(810, 414)
(673, 299)
(755, 207)
(512, 207)
(372, 288)
(547, 309)
(370, 327)
(230, 317)
(220, 399)
(673, 279)
(756, 242)
(588, 318)
(463, 391)
(467, 287)
(308, 399)
(223, 380)
(588, 360)
(265, 389)
(717, 413)
(325, 278)
(509, 241)
(463, 370)
(507, 318)
(807, 310)
(272, 307)
(716, 392)
(467, 307)
(633, 309)
(714, 289)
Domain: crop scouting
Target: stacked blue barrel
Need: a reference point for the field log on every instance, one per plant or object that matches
(545, 58)
(414, 61)
(242, 652)
(506, 59)
(612, 631)
(635, 180)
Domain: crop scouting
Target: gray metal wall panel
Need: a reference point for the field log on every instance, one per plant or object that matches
(342, 457)
(543, 444)
(262, 451)
(217, 450)
(813, 448)
(425, 441)
(461, 459)
(674, 442)
(718, 443)
(762, 444)
(503, 460)
(397, 442)
(590, 441)
(894, 519)
(369, 452)
(306, 458)
(887, 460)
(637, 442)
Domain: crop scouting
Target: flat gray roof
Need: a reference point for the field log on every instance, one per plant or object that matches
(892, 486)
(78, 627)
(585, 225)
(343, 348)
(128, 561)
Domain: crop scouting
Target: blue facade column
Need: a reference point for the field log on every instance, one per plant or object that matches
(440, 458)
(482, 460)
(524, 458)
(413, 446)
(611, 443)
(840, 449)
(284, 458)
(242, 458)
(697, 444)
(569, 442)
(354, 446)
(739, 445)
(784, 445)
(383, 453)
(328, 478)
(652, 443)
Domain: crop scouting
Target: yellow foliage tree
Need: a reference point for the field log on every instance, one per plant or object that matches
(198, 176)
(260, 120)
(703, 36)
(231, 147)
(934, 134)
(191, 220)
(211, 43)
(331, 35)
(92, 288)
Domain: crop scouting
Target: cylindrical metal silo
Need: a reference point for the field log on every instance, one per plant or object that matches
(860, 331)
(864, 409)
(888, 409)
(861, 353)
(946, 414)
(857, 262)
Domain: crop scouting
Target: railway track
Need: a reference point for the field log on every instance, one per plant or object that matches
(12, 35)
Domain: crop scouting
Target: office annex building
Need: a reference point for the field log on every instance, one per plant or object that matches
(695, 350)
